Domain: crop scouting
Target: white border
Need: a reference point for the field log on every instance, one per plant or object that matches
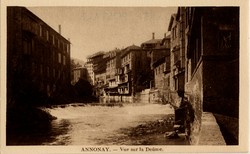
(244, 68)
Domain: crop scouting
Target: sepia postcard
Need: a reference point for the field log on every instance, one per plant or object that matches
(124, 76)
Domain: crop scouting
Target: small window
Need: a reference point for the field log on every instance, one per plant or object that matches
(33, 67)
(48, 74)
(58, 43)
(64, 60)
(67, 48)
(40, 30)
(48, 89)
(53, 39)
(41, 69)
(59, 58)
(54, 73)
(47, 35)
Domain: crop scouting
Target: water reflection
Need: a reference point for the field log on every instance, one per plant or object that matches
(59, 133)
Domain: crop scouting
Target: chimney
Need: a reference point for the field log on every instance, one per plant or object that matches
(59, 29)
(165, 35)
(153, 36)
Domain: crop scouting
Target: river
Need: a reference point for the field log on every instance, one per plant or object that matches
(103, 124)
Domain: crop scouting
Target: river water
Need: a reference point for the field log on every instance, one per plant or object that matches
(102, 124)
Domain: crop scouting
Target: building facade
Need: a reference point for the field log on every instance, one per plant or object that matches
(89, 66)
(159, 52)
(212, 74)
(38, 57)
(204, 65)
(113, 65)
(79, 73)
(133, 72)
(177, 58)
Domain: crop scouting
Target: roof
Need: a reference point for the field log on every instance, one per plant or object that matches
(133, 47)
(153, 41)
(128, 49)
(39, 20)
(173, 16)
(100, 53)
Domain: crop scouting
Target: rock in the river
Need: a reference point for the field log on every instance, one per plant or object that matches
(171, 135)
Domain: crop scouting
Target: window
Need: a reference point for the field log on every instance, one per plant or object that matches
(59, 58)
(164, 67)
(27, 46)
(47, 35)
(61, 46)
(58, 43)
(176, 83)
(48, 89)
(54, 87)
(53, 39)
(53, 56)
(64, 60)
(41, 69)
(63, 76)
(59, 74)
(40, 31)
(54, 73)
(67, 48)
(48, 74)
(33, 67)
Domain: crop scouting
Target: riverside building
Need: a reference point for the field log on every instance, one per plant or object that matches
(38, 57)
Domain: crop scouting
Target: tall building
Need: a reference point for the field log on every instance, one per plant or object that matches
(93, 64)
(89, 66)
(38, 57)
(177, 58)
(212, 72)
(79, 73)
(205, 67)
(134, 72)
(159, 52)
(113, 64)
(96, 65)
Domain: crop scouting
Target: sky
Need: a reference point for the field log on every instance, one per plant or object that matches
(93, 29)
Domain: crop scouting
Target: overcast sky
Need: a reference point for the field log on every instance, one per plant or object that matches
(93, 29)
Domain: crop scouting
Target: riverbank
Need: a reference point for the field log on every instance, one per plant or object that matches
(23, 120)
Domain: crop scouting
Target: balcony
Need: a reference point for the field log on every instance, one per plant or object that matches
(123, 79)
(123, 90)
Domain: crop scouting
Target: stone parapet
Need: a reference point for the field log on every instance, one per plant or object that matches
(210, 133)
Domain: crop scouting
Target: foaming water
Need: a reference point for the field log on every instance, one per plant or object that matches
(73, 111)
(78, 124)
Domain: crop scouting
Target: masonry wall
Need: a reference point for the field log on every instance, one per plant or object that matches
(221, 87)
(194, 94)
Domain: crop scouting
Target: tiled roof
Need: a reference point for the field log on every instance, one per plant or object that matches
(132, 47)
(128, 49)
(153, 41)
